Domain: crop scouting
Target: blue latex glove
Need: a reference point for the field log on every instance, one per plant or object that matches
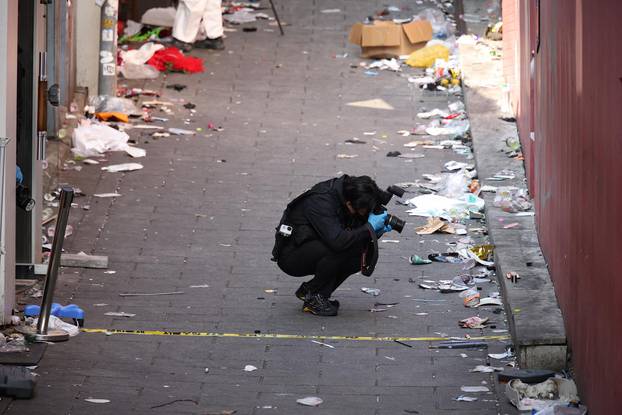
(377, 221)
(19, 177)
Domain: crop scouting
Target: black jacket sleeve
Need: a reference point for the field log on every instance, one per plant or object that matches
(323, 215)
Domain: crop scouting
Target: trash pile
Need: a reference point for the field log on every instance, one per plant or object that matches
(423, 49)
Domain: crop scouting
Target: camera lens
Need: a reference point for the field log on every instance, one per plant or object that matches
(396, 223)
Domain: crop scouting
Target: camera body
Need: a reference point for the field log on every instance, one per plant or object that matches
(384, 197)
(23, 199)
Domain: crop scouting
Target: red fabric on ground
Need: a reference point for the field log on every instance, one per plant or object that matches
(172, 59)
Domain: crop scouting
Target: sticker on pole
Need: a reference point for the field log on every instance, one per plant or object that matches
(108, 35)
(108, 69)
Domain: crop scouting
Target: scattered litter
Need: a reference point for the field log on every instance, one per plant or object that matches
(173, 60)
(97, 400)
(136, 152)
(58, 324)
(384, 64)
(434, 113)
(463, 398)
(355, 140)
(371, 291)
(425, 57)
(240, 17)
(310, 401)
(347, 156)
(417, 260)
(90, 161)
(499, 356)
(107, 195)
(390, 241)
(552, 392)
(90, 139)
(249, 368)
(177, 87)
(378, 310)
(459, 345)
(181, 131)
(473, 389)
(323, 344)
(119, 314)
(456, 165)
(470, 297)
(393, 154)
(388, 38)
(512, 199)
(412, 156)
(489, 301)
(486, 369)
(378, 103)
(200, 286)
(473, 322)
(148, 294)
(115, 168)
(448, 258)
(327, 11)
(112, 117)
(447, 208)
(438, 225)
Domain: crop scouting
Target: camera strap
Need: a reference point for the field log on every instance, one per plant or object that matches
(369, 257)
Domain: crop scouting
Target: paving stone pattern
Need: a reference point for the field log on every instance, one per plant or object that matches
(203, 210)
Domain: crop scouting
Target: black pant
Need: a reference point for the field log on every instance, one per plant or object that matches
(315, 258)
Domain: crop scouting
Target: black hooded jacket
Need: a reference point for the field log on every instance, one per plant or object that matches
(322, 214)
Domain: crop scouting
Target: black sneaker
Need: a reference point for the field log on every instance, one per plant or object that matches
(216, 44)
(183, 46)
(319, 305)
(303, 291)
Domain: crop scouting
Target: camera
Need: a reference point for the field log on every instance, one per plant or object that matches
(22, 196)
(384, 197)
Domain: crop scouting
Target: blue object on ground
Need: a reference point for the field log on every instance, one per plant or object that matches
(68, 311)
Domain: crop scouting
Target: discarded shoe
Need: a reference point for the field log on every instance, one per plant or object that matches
(216, 44)
(319, 305)
(303, 291)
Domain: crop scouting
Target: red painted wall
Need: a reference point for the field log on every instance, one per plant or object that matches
(575, 172)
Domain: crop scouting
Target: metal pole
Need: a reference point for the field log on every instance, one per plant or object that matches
(3, 143)
(276, 16)
(107, 84)
(66, 197)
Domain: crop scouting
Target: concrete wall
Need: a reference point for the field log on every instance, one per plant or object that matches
(571, 103)
(8, 108)
(87, 45)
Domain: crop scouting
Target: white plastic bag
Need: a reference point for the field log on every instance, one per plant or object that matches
(91, 139)
(138, 71)
(140, 55)
(58, 324)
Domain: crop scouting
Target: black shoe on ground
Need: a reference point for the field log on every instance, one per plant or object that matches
(216, 44)
(183, 46)
(319, 305)
(303, 291)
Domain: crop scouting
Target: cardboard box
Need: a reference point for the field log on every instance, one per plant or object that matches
(390, 40)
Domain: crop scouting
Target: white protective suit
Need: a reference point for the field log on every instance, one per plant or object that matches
(191, 14)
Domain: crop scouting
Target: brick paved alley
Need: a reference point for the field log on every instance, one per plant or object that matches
(199, 219)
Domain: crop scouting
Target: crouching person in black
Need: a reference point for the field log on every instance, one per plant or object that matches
(324, 233)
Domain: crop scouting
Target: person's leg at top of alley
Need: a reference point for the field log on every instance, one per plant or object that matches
(191, 16)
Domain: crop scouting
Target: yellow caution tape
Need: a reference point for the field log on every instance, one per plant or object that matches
(284, 336)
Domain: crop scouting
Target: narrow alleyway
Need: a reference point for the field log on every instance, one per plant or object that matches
(199, 219)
